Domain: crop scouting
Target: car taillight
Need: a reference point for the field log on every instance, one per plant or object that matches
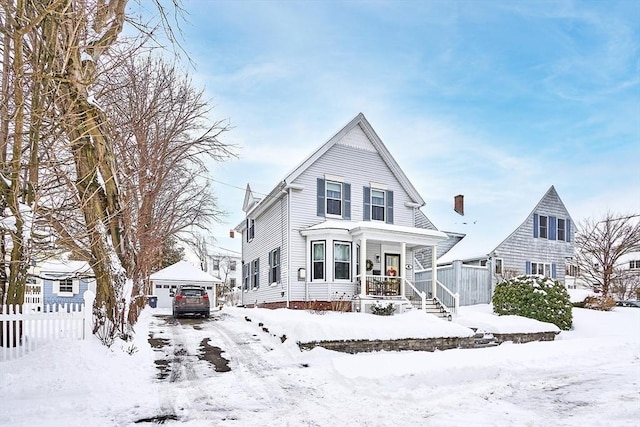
(178, 297)
(205, 296)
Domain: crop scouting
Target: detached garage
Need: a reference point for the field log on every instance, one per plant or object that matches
(168, 279)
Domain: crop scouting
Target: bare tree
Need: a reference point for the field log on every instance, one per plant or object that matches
(163, 134)
(601, 246)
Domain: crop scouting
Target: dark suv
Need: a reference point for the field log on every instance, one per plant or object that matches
(192, 300)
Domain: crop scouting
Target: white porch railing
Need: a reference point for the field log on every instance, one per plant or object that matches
(25, 327)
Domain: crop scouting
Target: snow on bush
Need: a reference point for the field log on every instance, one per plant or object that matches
(535, 297)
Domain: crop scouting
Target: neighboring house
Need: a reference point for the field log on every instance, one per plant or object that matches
(227, 266)
(59, 281)
(342, 225)
(164, 282)
(542, 244)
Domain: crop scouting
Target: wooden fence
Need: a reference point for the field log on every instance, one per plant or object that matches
(23, 328)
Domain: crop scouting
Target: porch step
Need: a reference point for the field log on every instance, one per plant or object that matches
(432, 308)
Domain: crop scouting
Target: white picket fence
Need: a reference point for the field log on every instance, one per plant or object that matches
(40, 324)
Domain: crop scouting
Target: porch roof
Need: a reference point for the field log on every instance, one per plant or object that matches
(378, 231)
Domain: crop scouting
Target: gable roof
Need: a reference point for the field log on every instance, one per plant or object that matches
(358, 121)
(249, 199)
(482, 239)
(183, 271)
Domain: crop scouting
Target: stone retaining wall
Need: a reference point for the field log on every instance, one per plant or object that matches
(364, 346)
(423, 344)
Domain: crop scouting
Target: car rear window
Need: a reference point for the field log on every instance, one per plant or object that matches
(192, 292)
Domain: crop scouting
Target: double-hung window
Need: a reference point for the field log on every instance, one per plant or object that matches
(317, 260)
(634, 264)
(342, 261)
(377, 204)
(274, 266)
(245, 275)
(66, 285)
(543, 227)
(255, 273)
(334, 198)
(562, 232)
(498, 266)
(251, 230)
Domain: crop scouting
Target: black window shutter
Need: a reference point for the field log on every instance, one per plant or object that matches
(389, 207)
(366, 204)
(567, 231)
(277, 278)
(346, 200)
(535, 226)
(321, 196)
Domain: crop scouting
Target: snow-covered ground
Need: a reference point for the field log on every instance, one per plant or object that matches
(589, 376)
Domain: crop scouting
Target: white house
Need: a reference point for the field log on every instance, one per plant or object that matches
(341, 226)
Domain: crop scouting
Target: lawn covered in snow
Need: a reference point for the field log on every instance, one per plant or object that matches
(589, 376)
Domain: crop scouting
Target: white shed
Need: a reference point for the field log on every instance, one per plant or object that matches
(181, 273)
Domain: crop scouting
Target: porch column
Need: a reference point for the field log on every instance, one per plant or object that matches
(434, 270)
(403, 271)
(363, 267)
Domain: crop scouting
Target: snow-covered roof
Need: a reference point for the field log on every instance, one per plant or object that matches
(375, 230)
(61, 267)
(185, 272)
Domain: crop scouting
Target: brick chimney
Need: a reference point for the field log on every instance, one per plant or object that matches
(458, 204)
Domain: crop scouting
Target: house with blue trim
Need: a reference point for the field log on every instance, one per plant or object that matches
(59, 281)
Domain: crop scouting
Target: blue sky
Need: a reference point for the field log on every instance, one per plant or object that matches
(495, 100)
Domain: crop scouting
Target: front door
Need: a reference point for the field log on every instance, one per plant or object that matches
(392, 271)
(392, 265)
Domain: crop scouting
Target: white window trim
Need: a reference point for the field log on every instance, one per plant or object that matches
(546, 227)
(333, 260)
(324, 262)
(544, 264)
(384, 204)
(334, 178)
(272, 267)
(326, 199)
(564, 229)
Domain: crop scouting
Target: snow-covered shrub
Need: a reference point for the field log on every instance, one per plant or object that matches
(536, 297)
(599, 303)
(383, 310)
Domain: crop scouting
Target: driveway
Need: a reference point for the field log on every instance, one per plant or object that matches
(196, 357)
